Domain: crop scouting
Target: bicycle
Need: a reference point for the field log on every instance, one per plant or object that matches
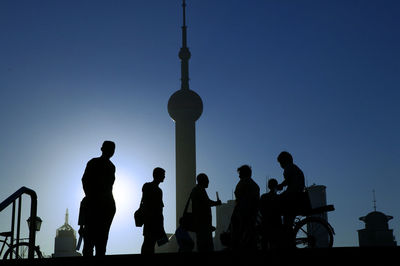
(313, 231)
(17, 250)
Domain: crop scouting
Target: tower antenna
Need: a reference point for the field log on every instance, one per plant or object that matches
(184, 53)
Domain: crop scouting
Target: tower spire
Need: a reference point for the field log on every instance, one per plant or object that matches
(184, 24)
(184, 53)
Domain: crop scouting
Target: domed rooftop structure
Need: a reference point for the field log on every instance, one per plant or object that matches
(376, 220)
(65, 240)
(376, 231)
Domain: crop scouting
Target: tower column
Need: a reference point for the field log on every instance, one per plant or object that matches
(185, 146)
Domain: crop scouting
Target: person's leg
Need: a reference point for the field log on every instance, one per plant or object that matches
(148, 245)
(204, 241)
(288, 222)
(88, 242)
(101, 243)
(102, 237)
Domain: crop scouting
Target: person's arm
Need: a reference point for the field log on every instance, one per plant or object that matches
(86, 179)
(215, 203)
(281, 185)
(212, 202)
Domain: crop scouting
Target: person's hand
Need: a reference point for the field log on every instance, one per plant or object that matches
(219, 202)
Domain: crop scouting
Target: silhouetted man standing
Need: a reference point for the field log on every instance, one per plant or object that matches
(290, 198)
(99, 209)
(243, 221)
(153, 228)
(201, 208)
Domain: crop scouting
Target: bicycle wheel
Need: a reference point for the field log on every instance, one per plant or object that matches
(23, 250)
(313, 232)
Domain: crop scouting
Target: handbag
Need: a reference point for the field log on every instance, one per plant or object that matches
(139, 215)
(187, 219)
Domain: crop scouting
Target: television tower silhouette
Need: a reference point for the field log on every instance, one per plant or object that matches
(184, 107)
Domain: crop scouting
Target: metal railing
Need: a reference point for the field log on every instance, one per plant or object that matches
(33, 216)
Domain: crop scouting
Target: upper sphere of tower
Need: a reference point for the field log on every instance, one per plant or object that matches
(185, 105)
(184, 53)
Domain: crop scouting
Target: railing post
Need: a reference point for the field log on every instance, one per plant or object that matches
(12, 227)
(32, 225)
(18, 224)
(33, 216)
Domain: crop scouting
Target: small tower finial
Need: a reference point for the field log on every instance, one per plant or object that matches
(374, 199)
(66, 216)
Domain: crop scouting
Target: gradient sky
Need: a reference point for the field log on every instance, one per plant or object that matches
(319, 79)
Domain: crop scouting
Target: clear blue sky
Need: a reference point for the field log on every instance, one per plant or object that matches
(317, 78)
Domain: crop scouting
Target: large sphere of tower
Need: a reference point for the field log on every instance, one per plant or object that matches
(185, 105)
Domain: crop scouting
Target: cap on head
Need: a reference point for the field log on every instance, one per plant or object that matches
(285, 158)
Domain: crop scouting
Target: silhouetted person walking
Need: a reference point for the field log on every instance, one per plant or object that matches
(291, 197)
(153, 228)
(271, 220)
(99, 206)
(243, 221)
(201, 209)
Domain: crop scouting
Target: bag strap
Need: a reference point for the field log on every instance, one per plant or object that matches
(187, 203)
(141, 202)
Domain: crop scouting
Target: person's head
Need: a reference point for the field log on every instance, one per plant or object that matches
(202, 180)
(108, 149)
(285, 159)
(244, 171)
(273, 184)
(159, 174)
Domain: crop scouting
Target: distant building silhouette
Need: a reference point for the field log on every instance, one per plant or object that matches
(376, 231)
(317, 194)
(223, 217)
(65, 241)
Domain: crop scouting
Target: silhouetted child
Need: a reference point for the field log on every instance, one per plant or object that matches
(271, 221)
(185, 242)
